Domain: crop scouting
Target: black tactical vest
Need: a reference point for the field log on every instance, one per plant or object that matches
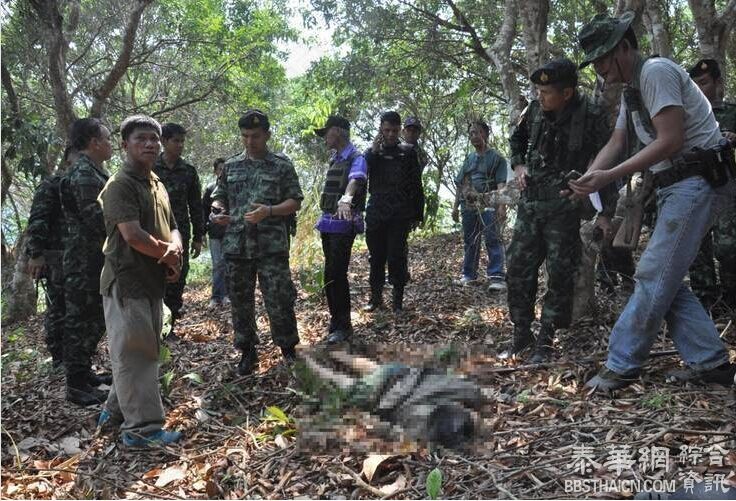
(390, 171)
(336, 182)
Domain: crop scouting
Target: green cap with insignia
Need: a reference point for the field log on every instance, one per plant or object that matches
(560, 71)
(601, 35)
(706, 66)
(252, 119)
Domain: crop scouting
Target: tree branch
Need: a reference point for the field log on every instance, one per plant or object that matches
(121, 65)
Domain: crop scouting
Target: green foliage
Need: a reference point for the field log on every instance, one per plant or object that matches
(193, 377)
(434, 483)
(166, 380)
(658, 400)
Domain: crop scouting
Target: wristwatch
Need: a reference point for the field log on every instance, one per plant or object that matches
(346, 199)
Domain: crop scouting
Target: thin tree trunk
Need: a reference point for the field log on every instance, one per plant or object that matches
(714, 29)
(534, 18)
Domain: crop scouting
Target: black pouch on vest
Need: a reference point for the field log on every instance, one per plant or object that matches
(718, 164)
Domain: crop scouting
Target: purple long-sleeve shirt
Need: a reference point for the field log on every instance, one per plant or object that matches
(358, 170)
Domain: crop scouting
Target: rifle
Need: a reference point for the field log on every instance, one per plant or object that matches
(627, 236)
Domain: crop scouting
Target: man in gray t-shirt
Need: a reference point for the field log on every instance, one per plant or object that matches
(663, 117)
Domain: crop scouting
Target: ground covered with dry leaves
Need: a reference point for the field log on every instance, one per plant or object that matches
(540, 429)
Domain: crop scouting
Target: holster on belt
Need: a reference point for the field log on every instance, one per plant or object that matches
(627, 236)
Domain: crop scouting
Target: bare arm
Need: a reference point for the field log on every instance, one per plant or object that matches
(145, 243)
(670, 128)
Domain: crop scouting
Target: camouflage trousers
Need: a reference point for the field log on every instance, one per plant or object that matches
(541, 234)
(84, 326)
(53, 321)
(175, 290)
(279, 295)
(718, 244)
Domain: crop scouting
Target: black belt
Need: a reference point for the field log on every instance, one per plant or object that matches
(713, 164)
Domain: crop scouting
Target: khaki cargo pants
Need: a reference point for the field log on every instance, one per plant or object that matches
(133, 332)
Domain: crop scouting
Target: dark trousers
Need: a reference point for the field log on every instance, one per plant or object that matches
(175, 290)
(337, 248)
(387, 244)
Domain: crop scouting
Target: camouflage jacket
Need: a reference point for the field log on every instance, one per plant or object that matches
(726, 115)
(46, 224)
(185, 196)
(79, 189)
(246, 181)
(552, 145)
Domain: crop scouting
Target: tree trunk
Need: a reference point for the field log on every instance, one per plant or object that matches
(534, 18)
(654, 22)
(20, 296)
(500, 54)
(713, 29)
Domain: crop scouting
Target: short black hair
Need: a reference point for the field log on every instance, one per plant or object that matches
(450, 425)
(218, 161)
(170, 129)
(482, 125)
(391, 117)
(630, 37)
(138, 122)
(82, 131)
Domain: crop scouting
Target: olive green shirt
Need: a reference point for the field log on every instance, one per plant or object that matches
(128, 196)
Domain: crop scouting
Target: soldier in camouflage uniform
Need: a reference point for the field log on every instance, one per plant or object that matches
(259, 192)
(411, 132)
(721, 240)
(185, 195)
(45, 250)
(83, 258)
(560, 132)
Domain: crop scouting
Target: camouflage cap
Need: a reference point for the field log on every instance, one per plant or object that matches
(601, 35)
(252, 119)
(560, 70)
(705, 66)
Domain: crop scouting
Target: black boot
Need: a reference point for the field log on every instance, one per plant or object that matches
(543, 346)
(248, 361)
(522, 339)
(376, 300)
(96, 380)
(79, 391)
(398, 299)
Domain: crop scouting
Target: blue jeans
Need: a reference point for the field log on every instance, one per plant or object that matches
(475, 223)
(685, 212)
(219, 282)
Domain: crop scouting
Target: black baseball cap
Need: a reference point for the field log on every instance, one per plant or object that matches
(252, 119)
(333, 121)
(709, 66)
(561, 71)
(412, 122)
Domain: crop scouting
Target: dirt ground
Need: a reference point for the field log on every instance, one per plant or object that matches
(541, 431)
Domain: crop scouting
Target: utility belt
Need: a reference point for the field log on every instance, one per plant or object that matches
(541, 193)
(716, 165)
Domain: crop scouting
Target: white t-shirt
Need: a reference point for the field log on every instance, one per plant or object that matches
(664, 83)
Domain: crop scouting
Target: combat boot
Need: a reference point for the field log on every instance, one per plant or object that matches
(96, 380)
(522, 340)
(376, 300)
(248, 361)
(543, 346)
(289, 353)
(397, 297)
(79, 391)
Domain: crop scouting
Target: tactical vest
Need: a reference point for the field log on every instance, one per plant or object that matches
(564, 162)
(390, 170)
(336, 182)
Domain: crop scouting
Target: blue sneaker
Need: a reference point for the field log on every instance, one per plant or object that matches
(107, 420)
(160, 437)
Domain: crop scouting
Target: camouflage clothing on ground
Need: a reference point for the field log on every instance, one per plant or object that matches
(547, 226)
(46, 230)
(83, 259)
(185, 196)
(719, 242)
(259, 250)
